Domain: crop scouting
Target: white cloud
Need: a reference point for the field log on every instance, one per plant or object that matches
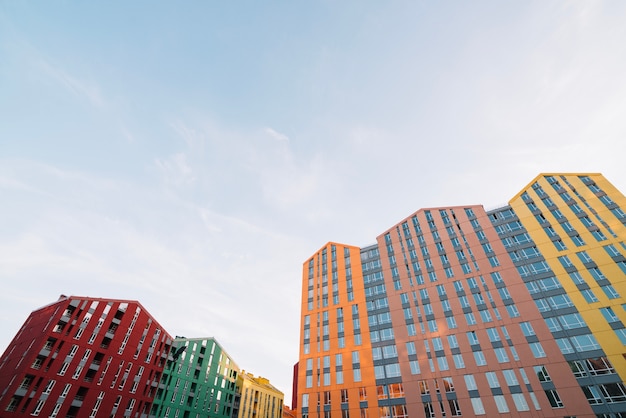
(276, 135)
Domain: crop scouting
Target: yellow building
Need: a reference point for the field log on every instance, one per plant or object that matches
(259, 399)
(577, 222)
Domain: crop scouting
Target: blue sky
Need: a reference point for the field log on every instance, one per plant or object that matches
(199, 153)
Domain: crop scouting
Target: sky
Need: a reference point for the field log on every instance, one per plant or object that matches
(193, 155)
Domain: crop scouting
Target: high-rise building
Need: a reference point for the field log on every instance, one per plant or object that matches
(456, 311)
(199, 380)
(85, 357)
(259, 398)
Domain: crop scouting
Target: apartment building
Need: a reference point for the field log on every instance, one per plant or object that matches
(259, 398)
(458, 311)
(199, 380)
(82, 356)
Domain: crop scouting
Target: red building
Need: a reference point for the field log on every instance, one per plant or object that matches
(101, 357)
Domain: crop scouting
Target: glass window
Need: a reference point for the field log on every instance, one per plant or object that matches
(527, 329)
(509, 377)
(477, 405)
(492, 379)
(501, 355)
(493, 334)
(609, 314)
(501, 404)
(554, 398)
(479, 357)
(520, 402)
(459, 363)
(537, 350)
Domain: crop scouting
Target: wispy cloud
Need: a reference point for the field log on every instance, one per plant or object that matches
(276, 135)
(175, 169)
(81, 88)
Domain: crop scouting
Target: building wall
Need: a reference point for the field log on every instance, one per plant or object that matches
(199, 380)
(84, 357)
(259, 399)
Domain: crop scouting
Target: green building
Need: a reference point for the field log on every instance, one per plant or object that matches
(199, 380)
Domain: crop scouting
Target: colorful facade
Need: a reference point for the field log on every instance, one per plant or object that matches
(259, 399)
(457, 311)
(84, 357)
(199, 380)
(91, 357)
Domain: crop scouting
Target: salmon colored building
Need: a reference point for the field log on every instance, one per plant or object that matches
(458, 311)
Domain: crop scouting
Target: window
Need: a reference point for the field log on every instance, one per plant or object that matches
(392, 370)
(589, 296)
(493, 335)
(542, 373)
(537, 350)
(592, 394)
(442, 362)
(492, 379)
(564, 345)
(415, 367)
(509, 377)
(565, 261)
(553, 324)
(584, 257)
(501, 355)
(445, 305)
(485, 316)
(501, 404)
(455, 409)
(512, 311)
(613, 392)
(477, 405)
(522, 373)
(527, 329)
(429, 412)
(470, 382)
(437, 344)
(451, 322)
(571, 321)
(599, 366)
(452, 341)
(479, 357)
(576, 277)
(609, 314)
(554, 398)
(472, 338)
(432, 325)
(423, 385)
(610, 291)
(459, 363)
(520, 402)
(585, 342)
